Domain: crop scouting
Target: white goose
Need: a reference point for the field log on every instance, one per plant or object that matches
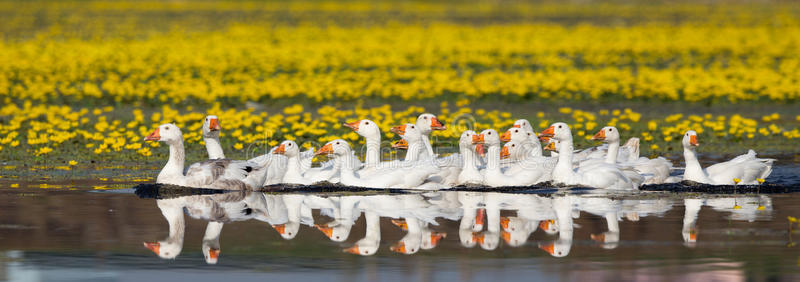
(413, 142)
(600, 175)
(523, 133)
(469, 172)
(656, 171)
(294, 171)
(494, 176)
(523, 162)
(746, 168)
(402, 177)
(427, 123)
(216, 174)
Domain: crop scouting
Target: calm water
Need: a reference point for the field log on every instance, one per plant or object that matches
(82, 235)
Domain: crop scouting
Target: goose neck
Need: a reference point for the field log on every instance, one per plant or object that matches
(174, 166)
(373, 155)
(214, 148)
(427, 142)
(613, 150)
(493, 158)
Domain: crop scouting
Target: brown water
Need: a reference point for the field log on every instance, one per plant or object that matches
(81, 235)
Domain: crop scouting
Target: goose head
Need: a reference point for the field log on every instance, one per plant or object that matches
(549, 226)
(168, 133)
(337, 233)
(165, 249)
(287, 230)
(466, 142)
(515, 134)
(364, 247)
(489, 137)
(409, 132)
(487, 240)
(608, 134)
(690, 140)
(513, 150)
(210, 254)
(559, 131)
(431, 239)
(211, 127)
(558, 248)
(409, 244)
(515, 231)
(609, 240)
(288, 148)
(366, 128)
(336, 147)
(428, 123)
(523, 124)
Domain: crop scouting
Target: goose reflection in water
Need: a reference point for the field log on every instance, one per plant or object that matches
(418, 216)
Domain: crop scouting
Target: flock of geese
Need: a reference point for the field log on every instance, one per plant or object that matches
(483, 159)
(476, 215)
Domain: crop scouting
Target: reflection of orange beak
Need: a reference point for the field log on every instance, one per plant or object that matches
(153, 246)
(213, 253)
(400, 129)
(504, 222)
(504, 153)
(213, 124)
(693, 235)
(601, 135)
(477, 139)
(328, 231)
(480, 217)
(400, 247)
(353, 125)
(280, 150)
(693, 141)
(436, 237)
(506, 136)
(325, 150)
(506, 236)
(550, 146)
(549, 248)
(479, 149)
(353, 250)
(478, 237)
(281, 228)
(400, 144)
(400, 223)
(599, 237)
(545, 225)
(153, 136)
(436, 125)
(549, 132)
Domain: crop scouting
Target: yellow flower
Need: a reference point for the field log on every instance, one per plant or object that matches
(654, 147)
(760, 180)
(15, 185)
(73, 163)
(736, 180)
(238, 146)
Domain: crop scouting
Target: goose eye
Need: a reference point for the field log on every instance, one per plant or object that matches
(337, 143)
(512, 145)
(425, 117)
(559, 126)
(289, 145)
(166, 128)
(366, 123)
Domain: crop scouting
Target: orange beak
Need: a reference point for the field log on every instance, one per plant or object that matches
(601, 135)
(543, 139)
(353, 250)
(599, 237)
(325, 150)
(506, 136)
(436, 237)
(480, 217)
(478, 237)
(504, 153)
(153, 246)
(693, 140)
(400, 144)
(213, 125)
(506, 236)
(545, 225)
(400, 129)
(400, 223)
(328, 231)
(352, 125)
(280, 150)
(213, 253)
(549, 248)
(436, 125)
(477, 139)
(549, 132)
(516, 126)
(550, 146)
(281, 228)
(504, 222)
(153, 136)
(479, 149)
(400, 247)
